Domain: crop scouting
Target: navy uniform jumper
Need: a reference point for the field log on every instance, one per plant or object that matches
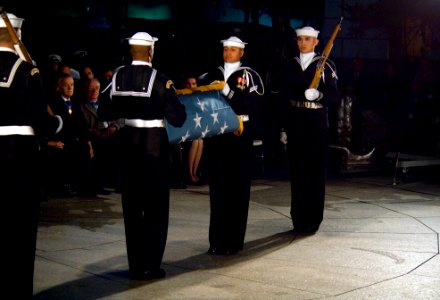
(306, 125)
(144, 98)
(23, 126)
(229, 161)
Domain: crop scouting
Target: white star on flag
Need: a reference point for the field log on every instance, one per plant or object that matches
(223, 128)
(201, 104)
(198, 121)
(214, 116)
(208, 114)
(185, 137)
(205, 132)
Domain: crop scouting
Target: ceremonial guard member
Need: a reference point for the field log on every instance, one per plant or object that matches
(144, 98)
(306, 127)
(229, 156)
(23, 125)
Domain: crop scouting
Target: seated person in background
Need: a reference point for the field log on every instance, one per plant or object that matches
(64, 152)
(95, 136)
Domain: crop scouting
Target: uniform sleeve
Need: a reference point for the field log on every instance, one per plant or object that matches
(175, 112)
(39, 105)
(329, 85)
(105, 108)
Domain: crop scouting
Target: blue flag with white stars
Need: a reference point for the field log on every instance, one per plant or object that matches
(207, 114)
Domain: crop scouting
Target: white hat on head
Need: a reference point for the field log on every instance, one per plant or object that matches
(55, 58)
(233, 41)
(15, 22)
(143, 39)
(307, 31)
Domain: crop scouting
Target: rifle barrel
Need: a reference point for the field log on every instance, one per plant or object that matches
(325, 54)
(15, 39)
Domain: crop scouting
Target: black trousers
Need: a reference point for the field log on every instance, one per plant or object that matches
(21, 188)
(229, 175)
(307, 154)
(145, 203)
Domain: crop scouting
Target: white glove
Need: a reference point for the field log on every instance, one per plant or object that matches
(283, 137)
(312, 94)
(226, 89)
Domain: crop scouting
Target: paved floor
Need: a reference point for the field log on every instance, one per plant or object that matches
(378, 241)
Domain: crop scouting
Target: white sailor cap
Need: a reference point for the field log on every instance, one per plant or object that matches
(81, 54)
(307, 31)
(15, 22)
(55, 58)
(142, 38)
(233, 41)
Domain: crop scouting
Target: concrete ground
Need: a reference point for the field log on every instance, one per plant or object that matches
(377, 241)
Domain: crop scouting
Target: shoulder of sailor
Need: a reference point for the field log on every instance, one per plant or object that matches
(27, 67)
(165, 81)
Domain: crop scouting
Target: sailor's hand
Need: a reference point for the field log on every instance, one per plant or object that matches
(240, 128)
(312, 94)
(283, 137)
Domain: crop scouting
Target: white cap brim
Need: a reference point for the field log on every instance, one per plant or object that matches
(141, 42)
(15, 22)
(307, 32)
(233, 44)
(142, 39)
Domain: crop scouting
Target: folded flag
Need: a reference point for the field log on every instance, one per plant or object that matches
(207, 114)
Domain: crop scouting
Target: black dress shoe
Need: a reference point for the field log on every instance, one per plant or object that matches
(306, 229)
(232, 251)
(138, 275)
(221, 251)
(178, 185)
(61, 191)
(86, 193)
(155, 274)
(148, 275)
(216, 251)
(103, 192)
(212, 250)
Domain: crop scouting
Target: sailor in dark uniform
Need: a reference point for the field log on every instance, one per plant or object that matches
(229, 156)
(144, 98)
(306, 126)
(23, 125)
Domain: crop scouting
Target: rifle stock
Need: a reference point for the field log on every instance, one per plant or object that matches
(18, 45)
(325, 54)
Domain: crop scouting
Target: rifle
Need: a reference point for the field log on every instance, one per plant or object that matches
(325, 54)
(18, 44)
